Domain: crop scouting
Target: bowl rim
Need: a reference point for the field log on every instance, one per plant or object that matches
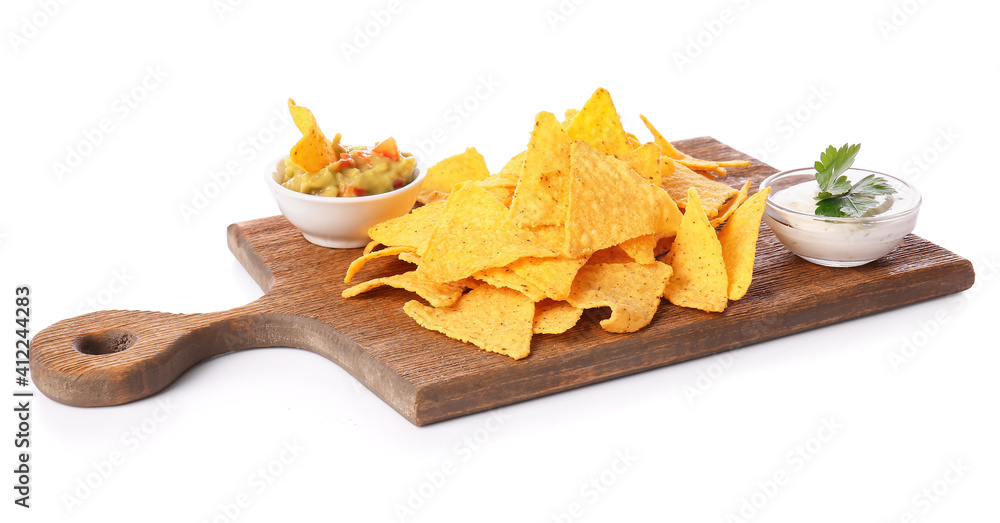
(914, 207)
(420, 174)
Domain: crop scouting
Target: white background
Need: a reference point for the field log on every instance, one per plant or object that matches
(914, 83)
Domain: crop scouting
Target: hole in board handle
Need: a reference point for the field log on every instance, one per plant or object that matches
(104, 342)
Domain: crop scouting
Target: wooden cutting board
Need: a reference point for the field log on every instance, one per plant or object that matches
(114, 357)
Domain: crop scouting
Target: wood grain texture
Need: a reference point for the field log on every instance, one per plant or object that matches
(114, 357)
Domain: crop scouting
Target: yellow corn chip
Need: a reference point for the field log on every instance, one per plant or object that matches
(677, 179)
(505, 277)
(554, 276)
(614, 254)
(739, 243)
(512, 170)
(645, 160)
(568, 117)
(667, 147)
(598, 124)
(730, 206)
(543, 189)
(302, 117)
(474, 233)
(555, 317)
(641, 249)
(702, 165)
(357, 264)
(314, 151)
(370, 247)
(495, 320)
(437, 294)
(632, 290)
(699, 279)
(442, 176)
(609, 203)
(409, 257)
(409, 230)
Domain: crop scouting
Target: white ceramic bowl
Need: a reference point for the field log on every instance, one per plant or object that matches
(340, 222)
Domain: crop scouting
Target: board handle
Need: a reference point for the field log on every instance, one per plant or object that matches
(114, 357)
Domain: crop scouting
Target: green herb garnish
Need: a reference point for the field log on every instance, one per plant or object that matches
(837, 197)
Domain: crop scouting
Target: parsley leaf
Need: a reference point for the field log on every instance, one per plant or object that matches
(830, 168)
(837, 197)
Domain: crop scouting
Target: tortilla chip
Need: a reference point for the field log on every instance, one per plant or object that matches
(554, 317)
(442, 176)
(667, 147)
(409, 257)
(302, 117)
(568, 117)
(512, 170)
(645, 160)
(641, 249)
(677, 179)
(609, 202)
(554, 276)
(504, 195)
(437, 294)
(739, 243)
(699, 279)
(474, 233)
(505, 277)
(662, 246)
(614, 254)
(542, 193)
(598, 124)
(370, 247)
(632, 290)
(702, 165)
(495, 320)
(357, 264)
(409, 230)
(730, 206)
(313, 151)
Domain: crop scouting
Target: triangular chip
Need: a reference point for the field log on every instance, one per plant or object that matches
(677, 179)
(614, 254)
(314, 151)
(543, 189)
(442, 176)
(609, 202)
(554, 276)
(597, 123)
(645, 160)
(568, 117)
(730, 206)
(641, 249)
(409, 230)
(357, 264)
(555, 317)
(495, 320)
(632, 290)
(472, 234)
(667, 147)
(739, 243)
(302, 117)
(699, 279)
(505, 277)
(512, 170)
(437, 294)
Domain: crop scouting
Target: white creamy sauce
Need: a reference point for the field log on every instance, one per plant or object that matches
(816, 237)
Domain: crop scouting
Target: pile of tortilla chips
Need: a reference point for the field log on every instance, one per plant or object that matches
(587, 216)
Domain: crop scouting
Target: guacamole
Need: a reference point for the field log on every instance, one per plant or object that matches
(358, 172)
